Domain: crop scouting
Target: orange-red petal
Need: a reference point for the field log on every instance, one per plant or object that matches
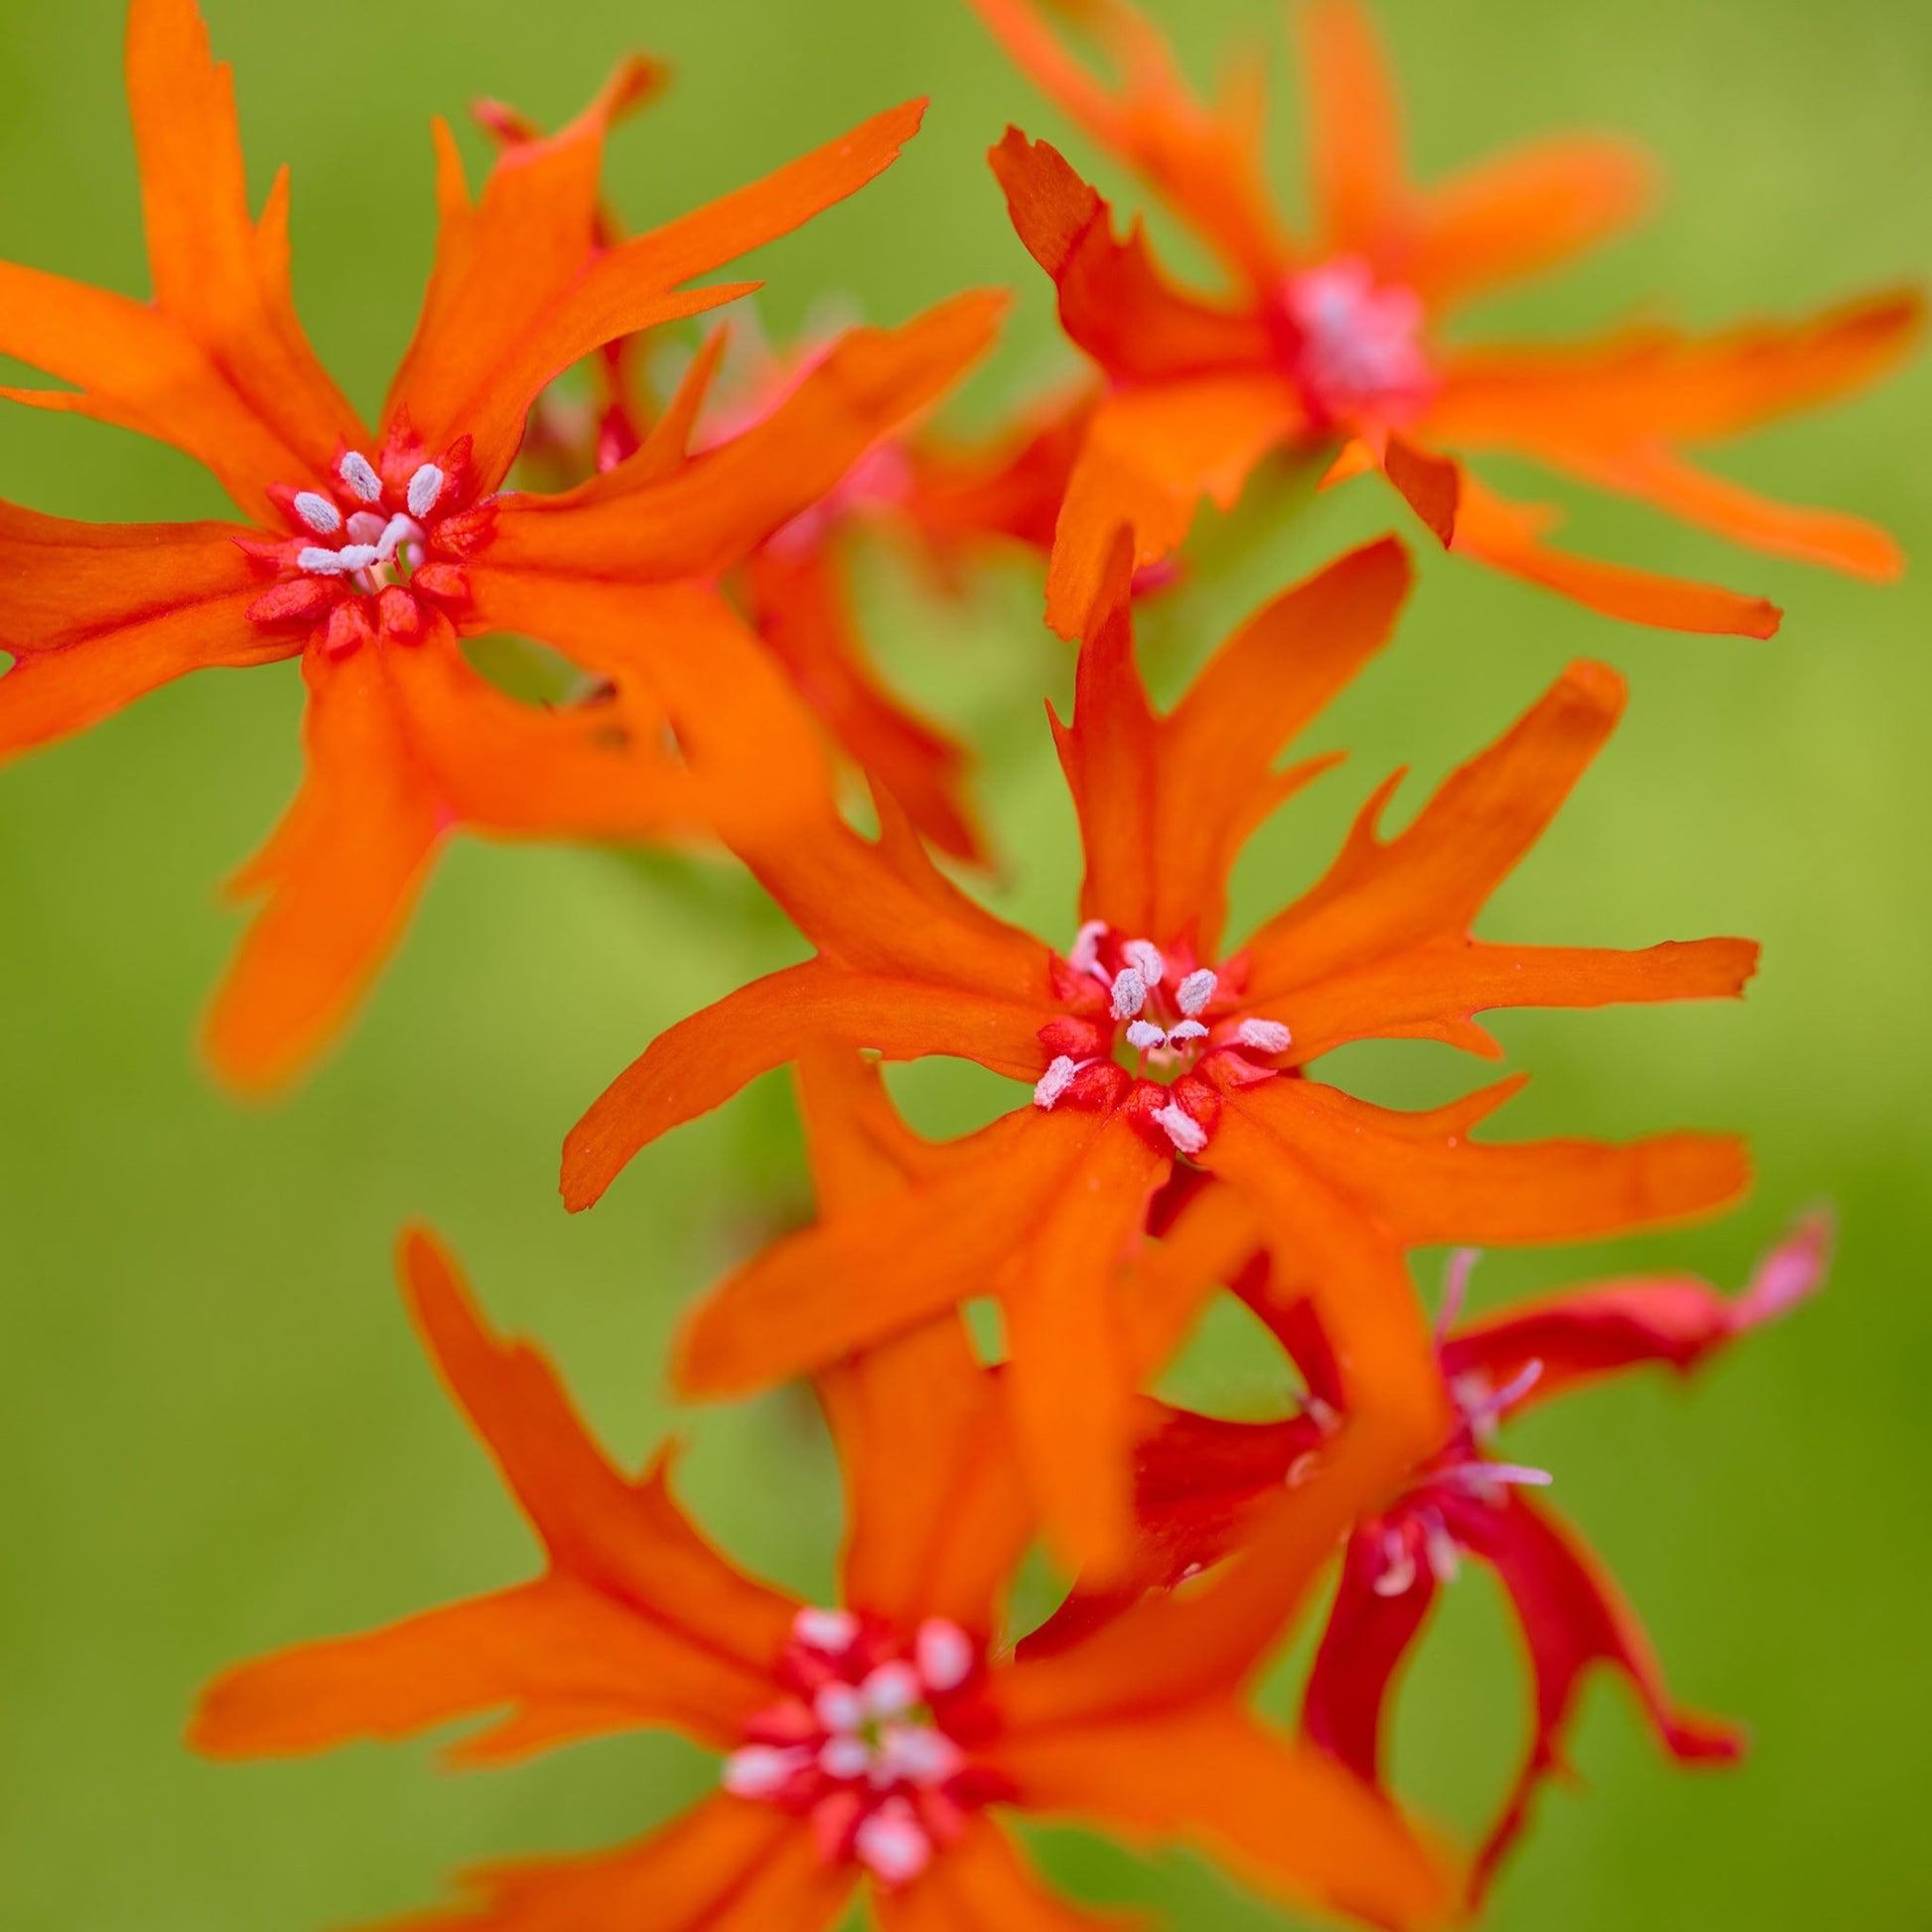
(1281, 1813)
(97, 616)
(1358, 181)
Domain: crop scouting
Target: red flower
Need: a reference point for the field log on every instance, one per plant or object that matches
(1197, 1479)
(1330, 344)
(369, 553)
(1151, 1041)
(875, 1744)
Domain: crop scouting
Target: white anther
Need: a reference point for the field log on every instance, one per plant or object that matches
(893, 1844)
(1325, 1414)
(918, 1755)
(1145, 958)
(368, 526)
(1054, 1081)
(763, 1770)
(845, 1756)
(1130, 993)
(1185, 1030)
(1439, 1546)
(1303, 1467)
(319, 513)
(830, 1632)
(1263, 1036)
(358, 556)
(1182, 1129)
(1399, 1567)
(944, 1653)
(395, 533)
(1455, 1289)
(323, 563)
(360, 478)
(425, 486)
(1194, 992)
(1144, 1033)
(1516, 1472)
(1085, 956)
(1486, 1407)
(839, 1707)
(892, 1690)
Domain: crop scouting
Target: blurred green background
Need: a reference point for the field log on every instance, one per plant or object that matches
(217, 1434)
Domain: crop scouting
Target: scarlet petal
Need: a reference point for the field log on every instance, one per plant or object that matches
(97, 616)
(1572, 1616)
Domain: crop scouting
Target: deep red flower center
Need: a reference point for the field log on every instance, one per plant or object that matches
(375, 549)
(864, 1744)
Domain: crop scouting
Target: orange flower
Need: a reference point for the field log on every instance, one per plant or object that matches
(367, 554)
(1150, 1041)
(875, 1744)
(1330, 343)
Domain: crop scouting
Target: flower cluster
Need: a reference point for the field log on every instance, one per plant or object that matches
(682, 548)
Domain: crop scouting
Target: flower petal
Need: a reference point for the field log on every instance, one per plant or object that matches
(1167, 804)
(341, 875)
(1151, 456)
(1521, 212)
(636, 525)
(1070, 1373)
(726, 1865)
(1584, 1335)
(936, 1515)
(1282, 1814)
(97, 616)
(800, 607)
(1115, 302)
(567, 1660)
(1572, 1616)
(853, 1278)
(1357, 173)
(1366, 1642)
(981, 1883)
(521, 290)
(1509, 537)
(1204, 161)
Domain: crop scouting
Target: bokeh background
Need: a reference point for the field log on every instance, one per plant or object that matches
(216, 1432)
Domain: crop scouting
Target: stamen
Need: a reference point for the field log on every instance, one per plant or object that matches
(368, 526)
(830, 1632)
(763, 1770)
(1263, 1036)
(397, 531)
(1055, 1081)
(1085, 956)
(1130, 993)
(944, 1653)
(1194, 992)
(1440, 1546)
(319, 513)
(1516, 1472)
(893, 1844)
(1145, 958)
(1512, 1392)
(845, 1756)
(1182, 1129)
(839, 1706)
(323, 563)
(358, 556)
(918, 1754)
(1144, 1033)
(1399, 1566)
(1185, 1030)
(425, 486)
(1455, 1289)
(891, 1691)
(358, 476)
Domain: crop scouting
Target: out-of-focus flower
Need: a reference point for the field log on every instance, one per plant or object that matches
(369, 553)
(1330, 346)
(1198, 1478)
(1150, 1041)
(874, 1744)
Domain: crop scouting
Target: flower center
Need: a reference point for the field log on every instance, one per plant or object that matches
(1133, 1008)
(1355, 345)
(369, 551)
(860, 1747)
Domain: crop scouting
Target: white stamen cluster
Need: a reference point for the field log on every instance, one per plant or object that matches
(1360, 340)
(374, 541)
(869, 1734)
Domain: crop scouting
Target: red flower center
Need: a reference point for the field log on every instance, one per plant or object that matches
(371, 552)
(864, 1745)
(1353, 345)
